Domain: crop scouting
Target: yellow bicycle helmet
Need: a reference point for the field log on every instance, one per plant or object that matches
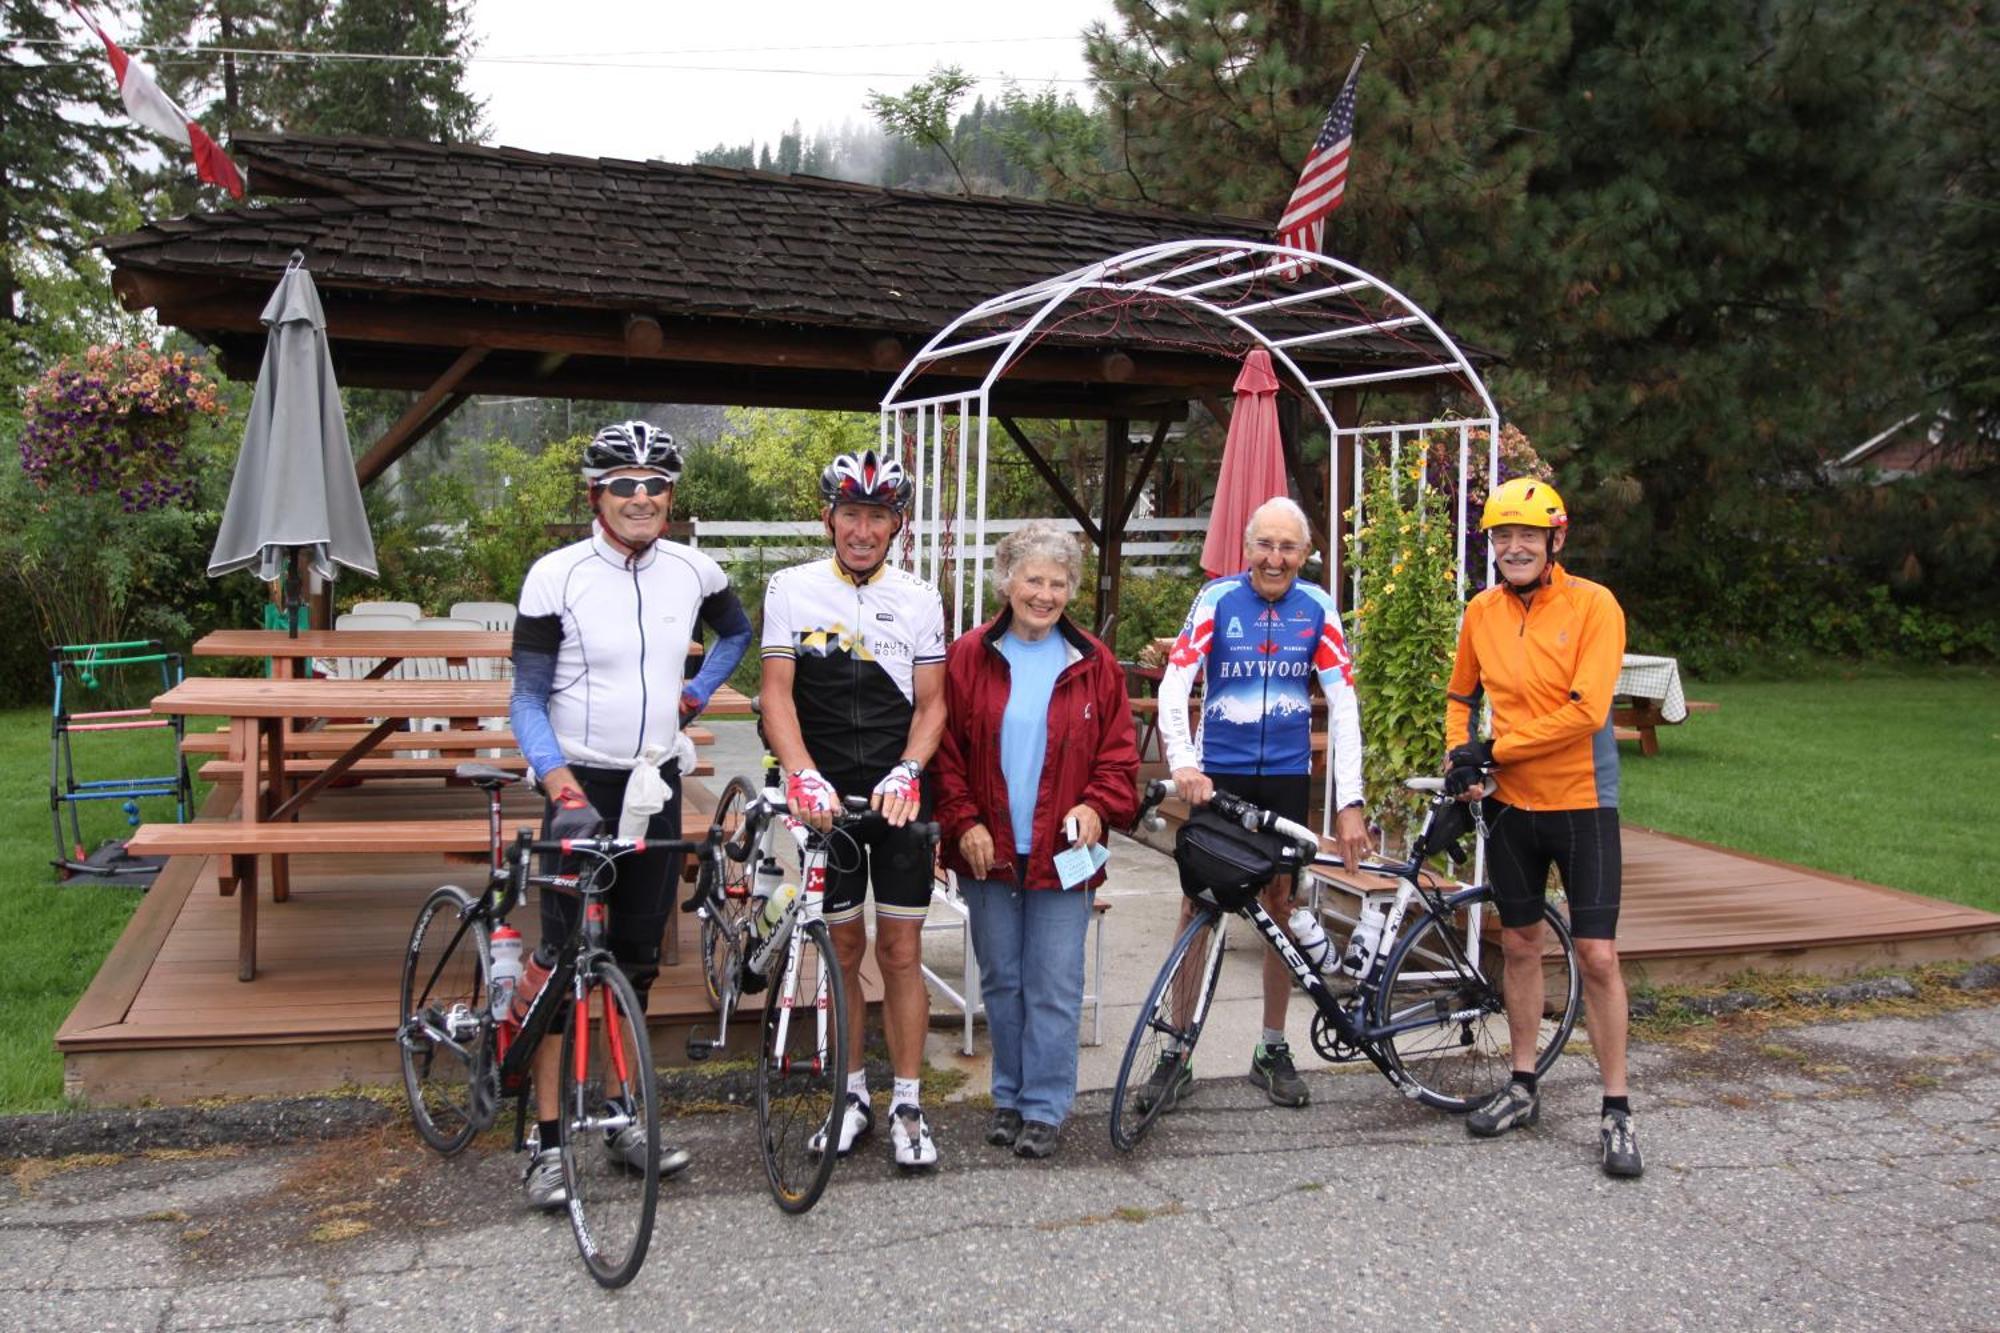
(1528, 501)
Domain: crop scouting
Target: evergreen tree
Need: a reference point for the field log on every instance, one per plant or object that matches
(224, 89)
(63, 140)
(405, 99)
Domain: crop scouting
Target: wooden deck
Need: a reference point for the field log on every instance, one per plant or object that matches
(166, 1019)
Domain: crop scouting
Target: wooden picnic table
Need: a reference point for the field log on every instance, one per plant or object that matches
(258, 712)
(1648, 696)
(290, 652)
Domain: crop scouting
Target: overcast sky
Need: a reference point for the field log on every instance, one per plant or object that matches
(624, 79)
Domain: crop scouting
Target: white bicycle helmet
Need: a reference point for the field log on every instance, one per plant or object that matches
(867, 478)
(632, 444)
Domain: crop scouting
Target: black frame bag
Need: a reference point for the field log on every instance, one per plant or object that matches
(1226, 865)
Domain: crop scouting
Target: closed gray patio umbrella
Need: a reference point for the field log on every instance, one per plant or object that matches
(294, 487)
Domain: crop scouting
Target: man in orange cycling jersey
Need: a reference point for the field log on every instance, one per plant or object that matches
(1544, 648)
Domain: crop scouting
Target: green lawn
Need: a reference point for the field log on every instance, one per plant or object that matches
(57, 936)
(1889, 777)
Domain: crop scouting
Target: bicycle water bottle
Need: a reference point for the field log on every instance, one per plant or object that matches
(507, 969)
(764, 882)
(1310, 937)
(1367, 936)
(775, 907)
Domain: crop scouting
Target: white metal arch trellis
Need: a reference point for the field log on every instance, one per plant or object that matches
(1282, 299)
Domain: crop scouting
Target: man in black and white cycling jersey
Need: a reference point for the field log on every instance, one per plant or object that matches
(600, 653)
(853, 703)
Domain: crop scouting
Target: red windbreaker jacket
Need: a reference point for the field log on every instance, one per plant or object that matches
(1093, 755)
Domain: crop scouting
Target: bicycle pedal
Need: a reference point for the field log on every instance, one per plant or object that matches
(699, 1049)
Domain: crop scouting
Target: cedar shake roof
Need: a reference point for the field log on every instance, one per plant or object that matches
(653, 281)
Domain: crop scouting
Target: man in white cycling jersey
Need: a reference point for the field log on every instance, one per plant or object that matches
(599, 701)
(853, 703)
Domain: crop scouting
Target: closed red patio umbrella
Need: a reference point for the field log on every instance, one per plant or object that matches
(1253, 465)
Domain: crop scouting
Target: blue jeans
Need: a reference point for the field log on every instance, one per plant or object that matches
(1029, 943)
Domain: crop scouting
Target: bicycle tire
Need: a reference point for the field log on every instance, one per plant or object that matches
(611, 1204)
(446, 970)
(731, 900)
(1160, 1041)
(802, 1072)
(1459, 1062)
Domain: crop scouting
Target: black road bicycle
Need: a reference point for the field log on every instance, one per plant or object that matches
(1426, 1011)
(460, 1058)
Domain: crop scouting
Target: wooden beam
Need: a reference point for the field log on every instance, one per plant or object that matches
(1055, 482)
(643, 335)
(421, 418)
(1111, 551)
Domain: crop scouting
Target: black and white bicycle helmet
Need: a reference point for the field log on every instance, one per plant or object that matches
(867, 478)
(632, 444)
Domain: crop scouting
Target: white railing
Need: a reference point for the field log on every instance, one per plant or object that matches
(1152, 545)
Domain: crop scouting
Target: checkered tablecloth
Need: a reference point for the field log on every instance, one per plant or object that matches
(1654, 678)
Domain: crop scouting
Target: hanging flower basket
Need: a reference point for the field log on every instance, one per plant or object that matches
(117, 422)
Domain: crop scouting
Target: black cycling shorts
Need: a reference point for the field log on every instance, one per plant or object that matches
(1287, 794)
(1521, 845)
(641, 898)
(900, 863)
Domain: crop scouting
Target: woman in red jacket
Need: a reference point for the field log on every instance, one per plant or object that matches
(1038, 756)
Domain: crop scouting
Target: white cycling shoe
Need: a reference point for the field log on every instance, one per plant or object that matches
(911, 1135)
(856, 1119)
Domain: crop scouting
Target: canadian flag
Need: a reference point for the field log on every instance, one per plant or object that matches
(145, 103)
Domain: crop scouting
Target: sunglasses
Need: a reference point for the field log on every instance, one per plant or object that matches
(627, 487)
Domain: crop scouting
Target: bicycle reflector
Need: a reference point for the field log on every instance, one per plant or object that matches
(1226, 865)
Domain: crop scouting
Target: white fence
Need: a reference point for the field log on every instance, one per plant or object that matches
(1152, 545)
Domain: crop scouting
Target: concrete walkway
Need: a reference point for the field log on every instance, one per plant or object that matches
(1834, 1177)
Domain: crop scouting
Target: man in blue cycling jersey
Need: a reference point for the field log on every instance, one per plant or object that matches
(599, 701)
(1256, 640)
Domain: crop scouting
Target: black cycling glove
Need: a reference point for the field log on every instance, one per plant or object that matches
(1463, 779)
(1473, 754)
(572, 822)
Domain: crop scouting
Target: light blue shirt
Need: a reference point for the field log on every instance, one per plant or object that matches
(1024, 727)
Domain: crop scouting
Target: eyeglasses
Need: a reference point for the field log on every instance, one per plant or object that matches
(627, 487)
(1265, 546)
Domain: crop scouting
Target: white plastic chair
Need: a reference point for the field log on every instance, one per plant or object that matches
(405, 610)
(488, 615)
(438, 668)
(355, 668)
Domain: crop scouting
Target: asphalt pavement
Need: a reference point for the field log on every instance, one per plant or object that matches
(1837, 1176)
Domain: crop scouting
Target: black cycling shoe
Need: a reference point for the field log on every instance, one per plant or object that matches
(1272, 1070)
(1620, 1144)
(1006, 1128)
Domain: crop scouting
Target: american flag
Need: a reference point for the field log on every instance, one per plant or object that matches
(1323, 182)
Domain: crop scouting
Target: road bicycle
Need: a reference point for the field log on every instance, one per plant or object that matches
(460, 1058)
(762, 932)
(1426, 1010)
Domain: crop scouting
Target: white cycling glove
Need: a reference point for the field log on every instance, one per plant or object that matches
(904, 782)
(812, 793)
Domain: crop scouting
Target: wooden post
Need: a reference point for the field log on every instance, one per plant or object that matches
(1110, 551)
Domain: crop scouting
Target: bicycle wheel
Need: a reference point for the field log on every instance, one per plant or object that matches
(446, 1037)
(802, 1071)
(731, 903)
(1157, 1068)
(1462, 1053)
(610, 1127)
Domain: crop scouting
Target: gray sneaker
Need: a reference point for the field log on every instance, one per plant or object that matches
(628, 1146)
(1172, 1079)
(544, 1181)
(1621, 1145)
(1272, 1070)
(1509, 1108)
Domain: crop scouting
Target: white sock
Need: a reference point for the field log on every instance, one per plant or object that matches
(1273, 1037)
(857, 1084)
(908, 1092)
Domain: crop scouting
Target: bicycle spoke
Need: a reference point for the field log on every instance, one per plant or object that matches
(1157, 1068)
(445, 1041)
(802, 1069)
(610, 1128)
(1454, 1044)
